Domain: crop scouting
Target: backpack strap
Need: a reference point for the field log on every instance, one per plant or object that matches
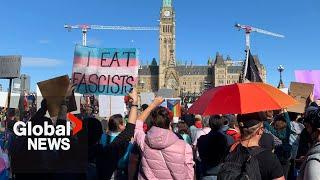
(234, 146)
(313, 159)
(257, 151)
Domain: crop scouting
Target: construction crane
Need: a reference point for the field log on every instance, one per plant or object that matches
(248, 30)
(84, 28)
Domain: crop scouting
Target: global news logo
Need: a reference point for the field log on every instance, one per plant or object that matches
(47, 136)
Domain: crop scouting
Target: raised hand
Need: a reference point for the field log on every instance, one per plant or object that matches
(134, 96)
(158, 101)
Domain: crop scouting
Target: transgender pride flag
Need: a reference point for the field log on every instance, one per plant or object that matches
(108, 71)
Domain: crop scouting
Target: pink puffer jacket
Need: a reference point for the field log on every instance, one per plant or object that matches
(164, 155)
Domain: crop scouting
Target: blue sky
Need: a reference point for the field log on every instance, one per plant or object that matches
(34, 29)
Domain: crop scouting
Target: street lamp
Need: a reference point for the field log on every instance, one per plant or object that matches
(281, 69)
(141, 83)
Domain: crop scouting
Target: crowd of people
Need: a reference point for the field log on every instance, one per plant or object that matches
(146, 144)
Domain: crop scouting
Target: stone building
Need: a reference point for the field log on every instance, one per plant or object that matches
(185, 78)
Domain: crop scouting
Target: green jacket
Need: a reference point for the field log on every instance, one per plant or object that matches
(283, 135)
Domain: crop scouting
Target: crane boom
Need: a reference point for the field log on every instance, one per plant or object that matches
(84, 28)
(125, 28)
(267, 32)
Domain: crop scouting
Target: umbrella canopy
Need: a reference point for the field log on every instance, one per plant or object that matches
(241, 99)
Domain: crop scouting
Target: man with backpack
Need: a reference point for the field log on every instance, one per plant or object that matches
(246, 159)
(311, 165)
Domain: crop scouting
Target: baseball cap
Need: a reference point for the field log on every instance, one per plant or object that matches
(248, 120)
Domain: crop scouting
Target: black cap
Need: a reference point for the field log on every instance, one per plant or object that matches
(248, 120)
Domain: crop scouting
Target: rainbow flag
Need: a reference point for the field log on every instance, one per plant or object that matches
(174, 105)
(108, 71)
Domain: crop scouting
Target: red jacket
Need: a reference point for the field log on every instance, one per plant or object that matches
(234, 134)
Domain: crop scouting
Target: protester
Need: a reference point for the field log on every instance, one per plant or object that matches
(116, 125)
(233, 130)
(311, 165)
(164, 155)
(197, 125)
(269, 116)
(281, 128)
(246, 158)
(296, 129)
(213, 148)
(184, 131)
(305, 142)
(106, 160)
(200, 132)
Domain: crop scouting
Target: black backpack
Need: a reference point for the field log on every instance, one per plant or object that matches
(241, 164)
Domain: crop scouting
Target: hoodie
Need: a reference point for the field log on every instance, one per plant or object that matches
(310, 167)
(164, 155)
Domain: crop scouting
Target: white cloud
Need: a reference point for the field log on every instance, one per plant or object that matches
(44, 41)
(40, 62)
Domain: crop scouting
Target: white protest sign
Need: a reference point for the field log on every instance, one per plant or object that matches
(14, 100)
(110, 105)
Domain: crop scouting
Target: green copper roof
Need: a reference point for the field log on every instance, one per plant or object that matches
(166, 3)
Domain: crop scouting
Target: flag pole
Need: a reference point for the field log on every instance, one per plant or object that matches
(247, 57)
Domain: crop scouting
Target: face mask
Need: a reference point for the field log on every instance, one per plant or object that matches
(198, 124)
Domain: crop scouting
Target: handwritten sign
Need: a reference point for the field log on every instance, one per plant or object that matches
(107, 71)
(301, 92)
(54, 90)
(10, 66)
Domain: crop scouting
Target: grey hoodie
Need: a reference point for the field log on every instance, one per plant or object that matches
(310, 169)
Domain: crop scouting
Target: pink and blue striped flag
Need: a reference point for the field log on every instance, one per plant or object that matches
(109, 71)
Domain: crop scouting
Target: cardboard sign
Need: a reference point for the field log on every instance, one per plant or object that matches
(105, 71)
(301, 92)
(14, 100)
(54, 91)
(311, 77)
(166, 93)
(110, 105)
(10, 66)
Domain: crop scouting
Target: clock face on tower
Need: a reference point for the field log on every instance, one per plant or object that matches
(167, 13)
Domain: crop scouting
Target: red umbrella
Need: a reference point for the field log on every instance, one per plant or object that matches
(241, 99)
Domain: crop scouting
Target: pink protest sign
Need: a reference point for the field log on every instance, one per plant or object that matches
(311, 77)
